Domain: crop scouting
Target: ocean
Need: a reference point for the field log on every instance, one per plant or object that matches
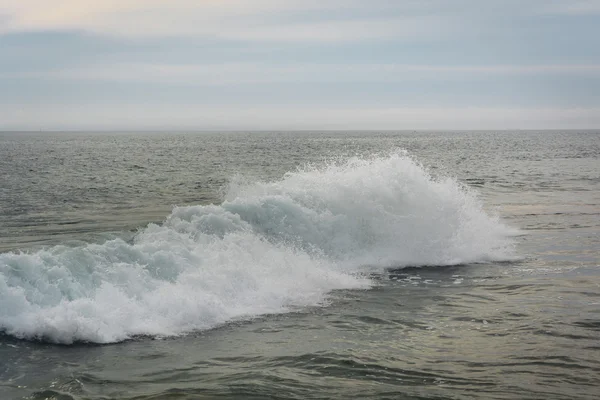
(300, 265)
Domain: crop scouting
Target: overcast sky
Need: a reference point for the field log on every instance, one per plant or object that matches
(299, 64)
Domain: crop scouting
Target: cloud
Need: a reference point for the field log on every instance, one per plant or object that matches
(256, 73)
(128, 116)
(326, 53)
(343, 31)
(276, 20)
(239, 20)
(573, 7)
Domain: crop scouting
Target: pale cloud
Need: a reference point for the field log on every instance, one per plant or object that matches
(260, 31)
(127, 116)
(256, 73)
(381, 54)
(92, 14)
(266, 20)
(341, 31)
(573, 7)
(241, 20)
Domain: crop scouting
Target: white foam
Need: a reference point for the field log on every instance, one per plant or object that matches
(268, 248)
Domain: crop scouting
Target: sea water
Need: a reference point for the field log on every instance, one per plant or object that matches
(300, 265)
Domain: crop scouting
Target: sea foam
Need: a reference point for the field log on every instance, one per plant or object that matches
(270, 247)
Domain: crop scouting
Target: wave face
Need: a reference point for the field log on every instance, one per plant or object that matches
(268, 248)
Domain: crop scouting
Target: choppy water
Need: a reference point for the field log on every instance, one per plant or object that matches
(300, 265)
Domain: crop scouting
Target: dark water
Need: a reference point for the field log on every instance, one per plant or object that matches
(365, 278)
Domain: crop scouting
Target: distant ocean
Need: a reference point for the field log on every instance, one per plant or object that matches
(300, 265)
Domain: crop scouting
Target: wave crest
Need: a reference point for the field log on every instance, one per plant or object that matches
(270, 247)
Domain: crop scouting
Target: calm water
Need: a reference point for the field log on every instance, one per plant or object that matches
(329, 265)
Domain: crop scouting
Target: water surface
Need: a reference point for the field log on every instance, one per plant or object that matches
(364, 274)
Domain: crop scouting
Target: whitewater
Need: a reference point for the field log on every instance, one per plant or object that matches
(270, 247)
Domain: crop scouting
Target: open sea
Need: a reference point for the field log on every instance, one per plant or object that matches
(300, 265)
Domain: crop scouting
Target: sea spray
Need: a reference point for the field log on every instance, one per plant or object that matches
(270, 247)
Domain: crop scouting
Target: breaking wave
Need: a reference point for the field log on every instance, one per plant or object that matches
(270, 247)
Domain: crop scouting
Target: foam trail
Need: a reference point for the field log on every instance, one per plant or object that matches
(268, 248)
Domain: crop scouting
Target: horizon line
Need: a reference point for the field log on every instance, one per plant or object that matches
(201, 130)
